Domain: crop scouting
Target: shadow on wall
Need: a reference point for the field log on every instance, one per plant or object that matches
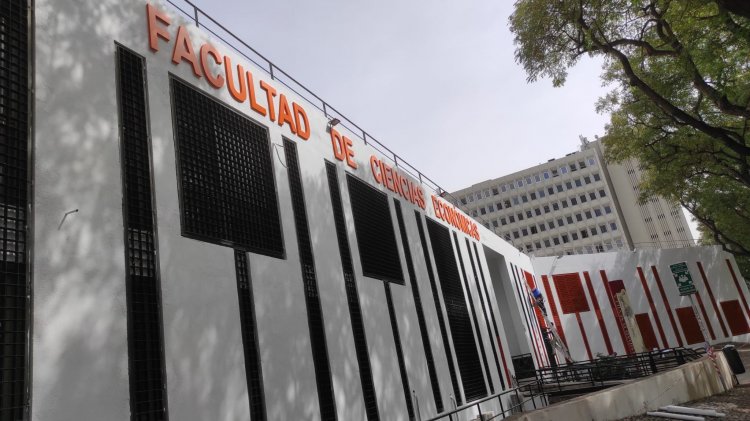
(79, 338)
(80, 327)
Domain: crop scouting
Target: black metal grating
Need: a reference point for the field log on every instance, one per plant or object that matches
(459, 319)
(523, 299)
(226, 177)
(253, 369)
(496, 342)
(399, 350)
(473, 312)
(434, 382)
(486, 318)
(315, 323)
(352, 297)
(375, 235)
(439, 312)
(145, 338)
(14, 204)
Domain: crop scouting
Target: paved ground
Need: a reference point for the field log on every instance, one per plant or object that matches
(735, 403)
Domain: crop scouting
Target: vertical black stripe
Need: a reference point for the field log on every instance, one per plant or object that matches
(496, 342)
(459, 318)
(253, 369)
(484, 313)
(438, 309)
(522, 300)
(355, 311)
(145, 337)
(480, 342)
(399, 350)
(14, 208)
(420, 312)
(315, 323)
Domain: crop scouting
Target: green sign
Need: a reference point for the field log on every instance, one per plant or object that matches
(683, 279)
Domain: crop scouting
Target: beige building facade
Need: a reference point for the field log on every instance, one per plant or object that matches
(575, 204)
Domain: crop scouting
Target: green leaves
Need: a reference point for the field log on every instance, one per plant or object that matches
(681, 97)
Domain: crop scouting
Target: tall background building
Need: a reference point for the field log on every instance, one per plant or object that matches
(575, 204)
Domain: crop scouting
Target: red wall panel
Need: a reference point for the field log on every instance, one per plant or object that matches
(690, 325)
(736, 319)
(647, 331)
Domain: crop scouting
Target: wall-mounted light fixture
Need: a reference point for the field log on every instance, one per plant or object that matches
(332, 122)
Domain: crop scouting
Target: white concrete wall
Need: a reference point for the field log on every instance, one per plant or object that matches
(623, 265)
(80, 361)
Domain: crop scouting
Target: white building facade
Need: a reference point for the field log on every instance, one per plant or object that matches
(575, 204)
(187, 237)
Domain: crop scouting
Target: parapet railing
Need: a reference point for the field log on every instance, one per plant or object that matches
(204, 21)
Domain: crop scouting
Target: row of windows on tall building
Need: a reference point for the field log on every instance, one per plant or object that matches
(530, 180)
(539, 194)
(532, 230)
(561, 221)
(558, 247)
(512, 218)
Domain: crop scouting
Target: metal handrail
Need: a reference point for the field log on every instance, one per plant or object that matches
(518, 406)
(199, 18)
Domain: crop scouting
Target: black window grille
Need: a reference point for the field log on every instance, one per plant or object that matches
(480, 290)
(226, 177)
(434, 382)
(14, 204)
(350, 284)
(399, 350)
(375, 236)
(473, 311)
(253, 369)
(315, 323)
(438, 310)
(147, 377)
(459, 320)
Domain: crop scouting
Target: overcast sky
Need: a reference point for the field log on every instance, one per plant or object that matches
(435, 81)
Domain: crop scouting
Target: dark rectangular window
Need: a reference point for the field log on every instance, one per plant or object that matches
(475, 269)
(374, 228)
(226, 179)
(438, 310)
(459, 319)
(423, 332)
(143, 296)
(350, 285)
(315, 321)
(14, 205)
(253, 369)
